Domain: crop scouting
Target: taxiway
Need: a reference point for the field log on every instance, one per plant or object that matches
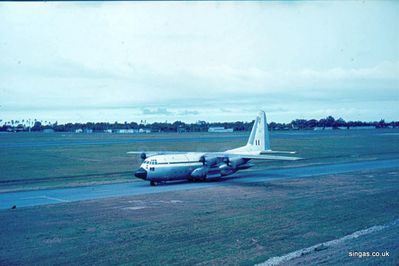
(62, 195)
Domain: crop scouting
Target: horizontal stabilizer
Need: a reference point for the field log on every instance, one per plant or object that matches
(266, 157)
(278, 152)
(152, 153)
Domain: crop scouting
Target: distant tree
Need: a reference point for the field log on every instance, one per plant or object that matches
(37, 126)
(330, 121)
(339, 122)
(312, 123)
(381, 124)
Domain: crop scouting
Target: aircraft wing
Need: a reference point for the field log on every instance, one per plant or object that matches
(278, 152)
(251, 156)
(261, 156)
(146, 154)
(156, 152)
(268, 157)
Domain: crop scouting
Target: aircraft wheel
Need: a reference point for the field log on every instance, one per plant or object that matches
(153, 183)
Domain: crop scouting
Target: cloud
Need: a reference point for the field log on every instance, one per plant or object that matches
(186, 59)
(158, 111)
(188, 112)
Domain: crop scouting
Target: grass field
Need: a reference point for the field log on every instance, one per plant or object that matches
(237, 224)
(243, 223)
(38, 160)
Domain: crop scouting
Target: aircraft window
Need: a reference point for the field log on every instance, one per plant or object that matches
(155, 162)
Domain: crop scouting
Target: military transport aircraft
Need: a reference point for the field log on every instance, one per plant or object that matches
(161, 166)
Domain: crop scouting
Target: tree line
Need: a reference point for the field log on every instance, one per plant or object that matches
(200, 126)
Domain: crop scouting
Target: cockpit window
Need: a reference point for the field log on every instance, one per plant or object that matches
(150, 161)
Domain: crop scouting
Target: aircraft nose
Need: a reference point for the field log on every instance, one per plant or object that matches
(141, 173)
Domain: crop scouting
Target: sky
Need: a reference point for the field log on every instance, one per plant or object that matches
(189, 61)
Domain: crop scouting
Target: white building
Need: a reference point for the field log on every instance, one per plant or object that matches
(125, 131)
(144, 130)
(219, 129)
(362, 127)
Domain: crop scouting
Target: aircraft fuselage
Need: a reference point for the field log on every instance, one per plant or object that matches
(191, 166)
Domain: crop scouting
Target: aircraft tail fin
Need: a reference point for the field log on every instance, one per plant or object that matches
(258, 140)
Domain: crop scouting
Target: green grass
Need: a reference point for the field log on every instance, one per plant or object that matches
(234, 224)
(32, 167)
(237, 224)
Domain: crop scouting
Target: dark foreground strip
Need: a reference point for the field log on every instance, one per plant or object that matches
(51, 196)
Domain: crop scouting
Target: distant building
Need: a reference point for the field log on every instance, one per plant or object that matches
(144, 130)
(107, 130)
(79, 130)
(362, 127)
(88, 130)
(125, 131)
(219, 129)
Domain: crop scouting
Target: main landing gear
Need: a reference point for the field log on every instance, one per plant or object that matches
(153, 183)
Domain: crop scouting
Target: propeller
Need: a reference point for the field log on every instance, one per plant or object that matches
(140, 159)
(202, 160)
(208, 162)
(226, 160)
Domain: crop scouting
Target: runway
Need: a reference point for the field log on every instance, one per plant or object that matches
(62, 195)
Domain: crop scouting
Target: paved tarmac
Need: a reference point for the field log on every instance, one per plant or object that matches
(256, 174)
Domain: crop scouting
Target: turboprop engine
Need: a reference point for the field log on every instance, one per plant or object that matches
(208, 161)
(200, 172)
(236, 162)
(216, 167)
(239, 164)
(226, 169)
(208, 168)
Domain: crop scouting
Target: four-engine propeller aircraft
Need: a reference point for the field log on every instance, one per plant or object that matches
(159, 166)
